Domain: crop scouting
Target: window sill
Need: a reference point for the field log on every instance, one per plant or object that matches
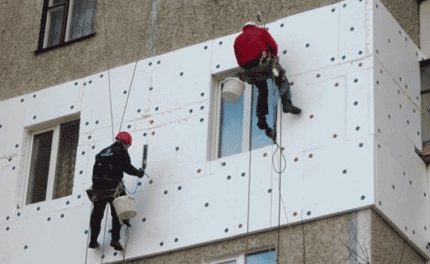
(43, 50)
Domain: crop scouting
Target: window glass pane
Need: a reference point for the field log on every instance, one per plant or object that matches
(231, 127)
(266, 257)
(82, 19)
(39, 167)
(66, 157)
(258, 137)
(54, 25)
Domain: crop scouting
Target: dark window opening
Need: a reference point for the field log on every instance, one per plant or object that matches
(425, 109)
(65, 22)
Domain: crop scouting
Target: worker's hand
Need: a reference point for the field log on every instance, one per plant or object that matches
(141, 173)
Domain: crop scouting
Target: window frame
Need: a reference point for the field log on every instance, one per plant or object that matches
(55, 127)
(240, 258)
(65, 29)
(246, 123)
(215, 126)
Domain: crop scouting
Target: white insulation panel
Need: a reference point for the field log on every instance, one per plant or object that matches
(188, 199)
(400, 174)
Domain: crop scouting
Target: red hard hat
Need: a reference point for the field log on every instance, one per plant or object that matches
(124, 137)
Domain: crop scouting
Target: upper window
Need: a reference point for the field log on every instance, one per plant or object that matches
(65, 21)
(52, 162)
(262, 257)
(425, 101)
(236, 122)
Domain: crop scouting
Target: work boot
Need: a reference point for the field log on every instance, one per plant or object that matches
(262, 124)
(290, 108)
(93, 244)
(116, 245)
(271, 134)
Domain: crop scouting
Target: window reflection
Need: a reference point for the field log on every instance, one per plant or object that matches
(258, 137)
(231, 128)
(266, 257)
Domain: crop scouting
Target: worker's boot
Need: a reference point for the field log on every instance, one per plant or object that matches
(271, 133)
(262, 123)
(116, 245)
(93, 244)
(288, 107)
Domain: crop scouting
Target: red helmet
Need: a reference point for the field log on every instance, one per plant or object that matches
(124, 137)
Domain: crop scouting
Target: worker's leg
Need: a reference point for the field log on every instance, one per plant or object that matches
(262, 108)
(284, 92)
(96, 218)
(116, 225)
(116, 228)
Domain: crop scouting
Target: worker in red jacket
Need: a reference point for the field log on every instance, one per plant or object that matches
(252, 47)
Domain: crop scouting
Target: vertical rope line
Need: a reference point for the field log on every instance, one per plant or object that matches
(88, 234)
(104, 235)
(125, 244)
(249, 184)
(110, 104)
(279, 192)
(128, 94)
(303, 238)
(107, 59)
(267, 13)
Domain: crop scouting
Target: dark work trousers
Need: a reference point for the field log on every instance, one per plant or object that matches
(97, 216)
(281, 82)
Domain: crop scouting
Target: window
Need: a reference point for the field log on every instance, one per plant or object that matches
(236, 122)
(425, 100)
(65, 21)
(425, 110)
(262, 257)
(52, 162)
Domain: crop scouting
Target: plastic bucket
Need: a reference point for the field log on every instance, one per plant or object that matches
(232, 89)
(125, 207)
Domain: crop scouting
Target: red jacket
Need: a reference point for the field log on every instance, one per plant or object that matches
(251, 43)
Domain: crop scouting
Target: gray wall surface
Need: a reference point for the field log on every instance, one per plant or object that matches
(349, 238)
(136, 29)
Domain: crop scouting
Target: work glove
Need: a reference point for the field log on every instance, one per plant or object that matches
(141, 173)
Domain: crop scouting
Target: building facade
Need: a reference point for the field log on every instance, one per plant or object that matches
(345, 185)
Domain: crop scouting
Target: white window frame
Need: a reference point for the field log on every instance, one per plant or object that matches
(216, 118)
(246, 124)
(56, 127)
(239, 258)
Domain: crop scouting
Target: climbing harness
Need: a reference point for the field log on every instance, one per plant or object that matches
(263, 71)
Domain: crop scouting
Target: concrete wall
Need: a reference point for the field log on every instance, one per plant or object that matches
(389, 247)
(349, 238)
(425, 27)
(135, 29)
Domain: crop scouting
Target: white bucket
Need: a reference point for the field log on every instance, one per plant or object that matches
(232, 89)
(125, 207)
